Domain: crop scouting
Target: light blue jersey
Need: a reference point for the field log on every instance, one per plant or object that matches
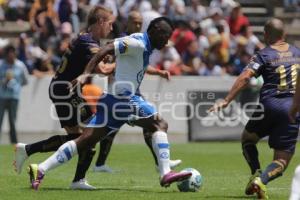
(121, 103)
(132, 59)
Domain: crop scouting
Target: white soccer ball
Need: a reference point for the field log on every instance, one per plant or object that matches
(193, 184)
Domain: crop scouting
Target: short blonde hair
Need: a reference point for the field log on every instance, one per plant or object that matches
(97, 13)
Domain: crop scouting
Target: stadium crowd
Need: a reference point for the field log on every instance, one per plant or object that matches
(211, 40)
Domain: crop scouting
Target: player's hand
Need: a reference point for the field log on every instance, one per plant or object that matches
(165, 74)
(80, 80)
(293, 112)
(218, 106)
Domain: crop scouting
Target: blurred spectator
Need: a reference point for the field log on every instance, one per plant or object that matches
(3, 43)
(291, 5)
(15, 10)
(46, 37)
(67, 12)
(23, 51)
(40, 10)
(211, 70)
(13, 75)
(2, 13)
(134, 23)
(252, 42)
(237, 19)
(167, 59)
(195, 13)
(225, 5)
(138, 5)
(182, 36)
(203, 42)
(217, 55)
(235, 64)
(224, 44)
(43, 67)
(149, 15)
(192, 59)
(63, 41)
(209, 25)
(240, 62)
(174, 9)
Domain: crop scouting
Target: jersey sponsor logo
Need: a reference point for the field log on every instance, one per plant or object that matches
(285, 54)
(123, 46)
(140, 76)
(94, 50)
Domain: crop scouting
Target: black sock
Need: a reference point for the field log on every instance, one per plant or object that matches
(251, 155)
(273, 171)
(51, 144)
(84, 161)
(105, 146)
(148, 140)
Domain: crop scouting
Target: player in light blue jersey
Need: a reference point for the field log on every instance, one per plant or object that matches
(134, 25)
(121, 103)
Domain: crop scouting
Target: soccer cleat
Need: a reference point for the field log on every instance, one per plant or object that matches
(103, 168)
(36, 176)
(249, 189)
(82, 184)
(174, 163)
(20, 157)
(259, 188)
(172, 177)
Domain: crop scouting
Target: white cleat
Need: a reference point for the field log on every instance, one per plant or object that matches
(82, 184)
(174, 163)
(103, 168)
(20, 157)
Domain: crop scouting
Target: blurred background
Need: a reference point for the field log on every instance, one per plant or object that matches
(212, 43)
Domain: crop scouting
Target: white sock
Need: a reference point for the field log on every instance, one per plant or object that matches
(161, 146)
(61, 156)
(295, 192)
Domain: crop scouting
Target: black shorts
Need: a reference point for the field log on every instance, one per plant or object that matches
(275, 123)
(71, 109)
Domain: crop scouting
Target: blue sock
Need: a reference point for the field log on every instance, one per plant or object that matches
(273, 171)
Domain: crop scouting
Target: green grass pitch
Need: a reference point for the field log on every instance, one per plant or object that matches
(224, 171)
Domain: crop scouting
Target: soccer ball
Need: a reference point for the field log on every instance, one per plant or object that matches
(192, 184)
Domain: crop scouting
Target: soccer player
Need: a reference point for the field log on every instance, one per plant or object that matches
(134, 25)
(278, 64)
(121, 103)
(99, 25)
(294, 113)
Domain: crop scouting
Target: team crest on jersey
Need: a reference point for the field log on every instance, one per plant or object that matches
(123, 46)
(94, 50)
(285, 54)
(140, 76)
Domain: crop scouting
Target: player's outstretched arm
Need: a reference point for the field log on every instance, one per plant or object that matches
(295, 108)
(97, 58)
(94, 62)
(162, 73)
(240, 83)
